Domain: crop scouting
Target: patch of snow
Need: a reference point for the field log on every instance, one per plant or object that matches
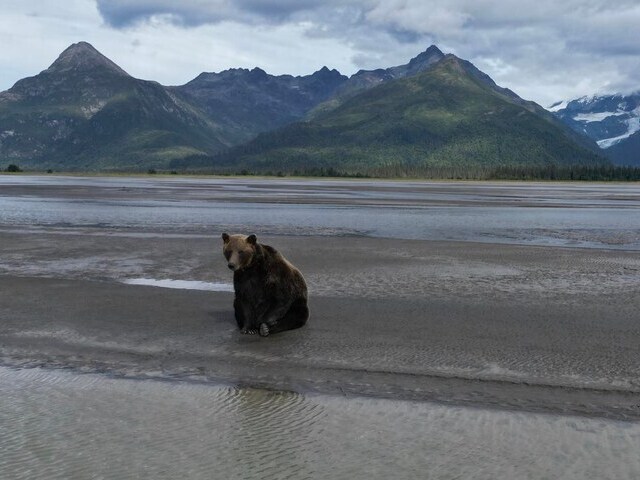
(597, 116)
(633, 125)
(90, 110)
(587, 99)
(181, 284)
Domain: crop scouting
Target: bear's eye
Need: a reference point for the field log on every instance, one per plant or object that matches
(242, 253)
(227, 254)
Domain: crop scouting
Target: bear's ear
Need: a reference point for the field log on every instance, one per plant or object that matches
(252, 239)
(225, 237)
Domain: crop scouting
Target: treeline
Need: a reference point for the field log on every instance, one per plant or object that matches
(601, 173)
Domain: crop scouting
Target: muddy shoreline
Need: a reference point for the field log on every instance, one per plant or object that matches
(494, 330)
(498, 306)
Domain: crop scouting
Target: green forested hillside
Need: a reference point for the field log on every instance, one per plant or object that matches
(448, 116)
(86, 113)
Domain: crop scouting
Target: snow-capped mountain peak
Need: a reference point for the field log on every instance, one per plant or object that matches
(608, 119)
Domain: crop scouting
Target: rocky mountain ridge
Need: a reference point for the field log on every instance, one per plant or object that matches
(247, 102)
(86, 113)
(449, 116)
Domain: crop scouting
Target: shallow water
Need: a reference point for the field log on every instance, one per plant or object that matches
(582, 215)
(62, 425)
(181, 284)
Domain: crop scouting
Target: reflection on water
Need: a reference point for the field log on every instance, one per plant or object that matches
(181, 284)
(59, 425)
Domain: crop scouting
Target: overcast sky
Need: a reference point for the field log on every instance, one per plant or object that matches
(544, 50)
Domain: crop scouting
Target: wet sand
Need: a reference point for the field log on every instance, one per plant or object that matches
(541, 329)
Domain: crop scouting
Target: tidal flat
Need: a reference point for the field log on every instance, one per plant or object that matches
(443, 315)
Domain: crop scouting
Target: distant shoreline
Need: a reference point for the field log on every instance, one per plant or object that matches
(345, 178)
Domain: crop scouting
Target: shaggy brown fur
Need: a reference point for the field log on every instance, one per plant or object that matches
(270, 293)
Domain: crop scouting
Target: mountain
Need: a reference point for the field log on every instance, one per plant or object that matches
(449, 115)
(365, 79)
(247, 102)
(626, 152)
(613, 121)
(86, 113)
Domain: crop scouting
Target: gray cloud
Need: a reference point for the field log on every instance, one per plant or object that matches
(124, 13)
(474, 26)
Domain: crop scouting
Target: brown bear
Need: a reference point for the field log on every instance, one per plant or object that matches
(270, 293)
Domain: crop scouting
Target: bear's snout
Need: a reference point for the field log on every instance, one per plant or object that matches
(231, 266)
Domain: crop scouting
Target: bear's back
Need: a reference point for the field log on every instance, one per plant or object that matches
(284, 269)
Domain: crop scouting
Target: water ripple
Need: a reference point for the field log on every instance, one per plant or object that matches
(62, 425)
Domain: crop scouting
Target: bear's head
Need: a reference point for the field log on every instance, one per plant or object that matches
(239, 250)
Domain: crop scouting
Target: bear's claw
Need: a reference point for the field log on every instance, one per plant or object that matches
(248, 331)
(264, 330)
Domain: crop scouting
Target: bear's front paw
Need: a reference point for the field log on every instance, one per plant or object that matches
(249, 331)
(264, 330)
